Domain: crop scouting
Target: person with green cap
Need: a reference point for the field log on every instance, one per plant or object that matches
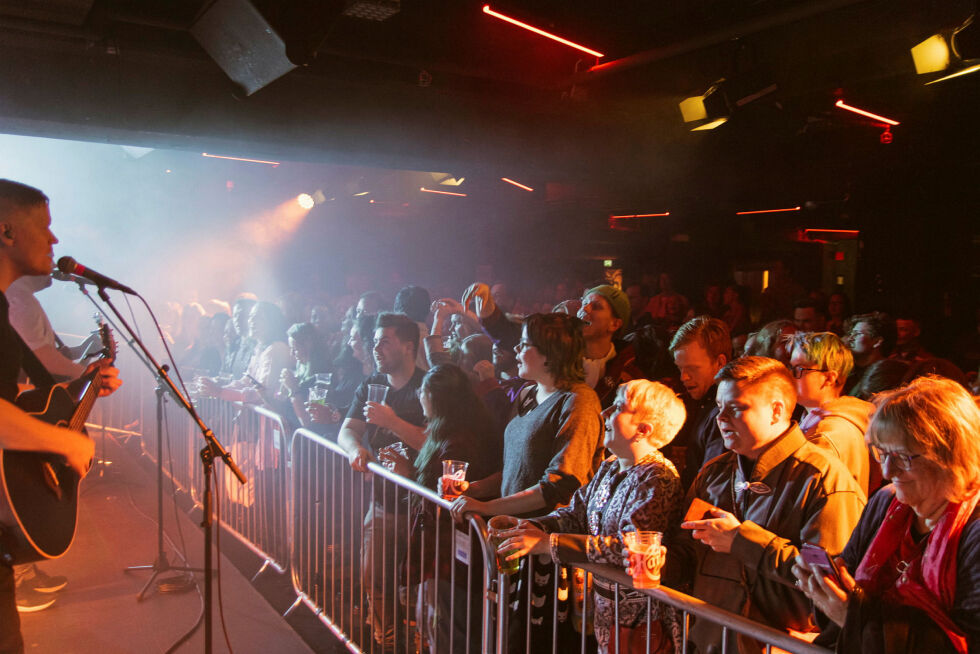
(609, 361)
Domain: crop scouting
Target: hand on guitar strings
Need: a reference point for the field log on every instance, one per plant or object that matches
(109, 375)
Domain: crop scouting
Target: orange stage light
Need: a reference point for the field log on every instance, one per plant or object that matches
(867, 114)
(490, 12)
(517, 184)
(746, 213)
(429, 190)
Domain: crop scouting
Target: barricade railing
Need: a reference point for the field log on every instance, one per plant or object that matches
(379, 560)
(580, 606)
(356, 552)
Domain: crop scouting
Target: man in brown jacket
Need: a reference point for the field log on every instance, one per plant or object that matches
(771, 491)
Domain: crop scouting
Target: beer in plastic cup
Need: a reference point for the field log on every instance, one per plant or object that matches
(377, 393)
(318, 395)
(453, 478)
(496, 525)
(644, 551)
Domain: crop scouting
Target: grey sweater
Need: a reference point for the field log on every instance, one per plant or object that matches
(555, 444)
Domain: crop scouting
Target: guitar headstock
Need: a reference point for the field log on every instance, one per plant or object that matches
(108, 340)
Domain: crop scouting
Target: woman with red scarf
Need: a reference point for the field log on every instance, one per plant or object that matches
(911, 571)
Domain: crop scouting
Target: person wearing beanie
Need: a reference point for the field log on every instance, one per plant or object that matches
(609, 361)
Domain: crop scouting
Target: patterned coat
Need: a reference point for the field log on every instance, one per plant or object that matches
(644, 497)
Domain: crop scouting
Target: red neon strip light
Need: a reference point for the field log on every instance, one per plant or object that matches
(429, 190)
(854, 232)
(490, 12)
(862, 112)
(745, 213)
(218, 156)
(517, 184)
(641, 215)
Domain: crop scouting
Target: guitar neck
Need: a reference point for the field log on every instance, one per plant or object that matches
(84, 406)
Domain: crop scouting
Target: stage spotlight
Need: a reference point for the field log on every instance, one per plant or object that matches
(706, 111)
(953, 53)
(305, 200)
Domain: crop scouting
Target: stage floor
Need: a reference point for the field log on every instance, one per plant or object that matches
(98, 612)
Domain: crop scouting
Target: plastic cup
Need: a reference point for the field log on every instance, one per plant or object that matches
(645, 560)
(496, 525)
(377, 393)
(318, 395)
(453, 478)
(323, 378)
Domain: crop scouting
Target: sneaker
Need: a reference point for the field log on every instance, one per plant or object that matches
(30, 601)
(43, 583)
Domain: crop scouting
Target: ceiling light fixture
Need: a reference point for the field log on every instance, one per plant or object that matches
(260, 161)
(867, 114)
(517, 184)
(954, 52)
(513, 21)
(746, 213)
(638, 215)
(429, 190)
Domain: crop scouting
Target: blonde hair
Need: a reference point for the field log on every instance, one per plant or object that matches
(657, 405)
(940, 418)
(827, 351)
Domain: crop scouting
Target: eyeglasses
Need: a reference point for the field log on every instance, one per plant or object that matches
(523, 345)
(900, 459)
(799, 370)
(855, 334)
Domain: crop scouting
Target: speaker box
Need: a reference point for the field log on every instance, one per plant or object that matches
(256, 43)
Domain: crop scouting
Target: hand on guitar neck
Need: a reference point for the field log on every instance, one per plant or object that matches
(108, 376)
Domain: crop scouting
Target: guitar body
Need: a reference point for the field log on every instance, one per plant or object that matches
(39, 498)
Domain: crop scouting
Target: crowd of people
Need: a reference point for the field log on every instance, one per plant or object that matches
(614, 410)
(820, 474)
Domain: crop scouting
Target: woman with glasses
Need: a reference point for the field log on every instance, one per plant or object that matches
(551, 444)
(910, 574)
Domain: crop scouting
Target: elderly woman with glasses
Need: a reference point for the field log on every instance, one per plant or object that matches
(910, 574)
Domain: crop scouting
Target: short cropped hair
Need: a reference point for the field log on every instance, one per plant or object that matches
(710, 333)
(761, 370)
(811, 303)
(654, 403)
(939, 418)
(414, 302)
(558, 336)
(15, 197)
(881, 326)
(826, 351)
(406, 329)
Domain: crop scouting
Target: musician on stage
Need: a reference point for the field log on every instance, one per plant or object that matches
(26, 244)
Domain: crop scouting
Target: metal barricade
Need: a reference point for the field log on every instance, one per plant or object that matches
(582, 605)
(378, 559)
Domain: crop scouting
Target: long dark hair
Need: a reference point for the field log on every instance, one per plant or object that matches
(457, 413)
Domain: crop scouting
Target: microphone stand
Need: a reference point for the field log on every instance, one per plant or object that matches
(212, 449)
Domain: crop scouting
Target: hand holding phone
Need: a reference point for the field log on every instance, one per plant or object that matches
(818, 559)
(699, 510)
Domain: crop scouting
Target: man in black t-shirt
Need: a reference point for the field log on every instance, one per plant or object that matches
(371, 426)
(26, 244)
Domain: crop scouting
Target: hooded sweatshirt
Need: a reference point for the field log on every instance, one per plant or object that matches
(839, 425)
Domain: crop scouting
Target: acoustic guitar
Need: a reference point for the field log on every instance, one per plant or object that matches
(39, 491)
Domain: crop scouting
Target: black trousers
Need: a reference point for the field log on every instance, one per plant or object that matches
(10, 638)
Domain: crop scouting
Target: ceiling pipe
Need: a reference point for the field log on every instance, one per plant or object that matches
(717, 37)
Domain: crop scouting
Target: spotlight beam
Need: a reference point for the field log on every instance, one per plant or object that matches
(746, 213)
(218, 156)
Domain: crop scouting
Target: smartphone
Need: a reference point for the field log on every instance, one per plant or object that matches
(817, 557)
(699, 510)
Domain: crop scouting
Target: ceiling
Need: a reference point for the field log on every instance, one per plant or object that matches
(443, 86)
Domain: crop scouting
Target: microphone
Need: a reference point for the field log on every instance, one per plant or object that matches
(69, 266)
(62, 277)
